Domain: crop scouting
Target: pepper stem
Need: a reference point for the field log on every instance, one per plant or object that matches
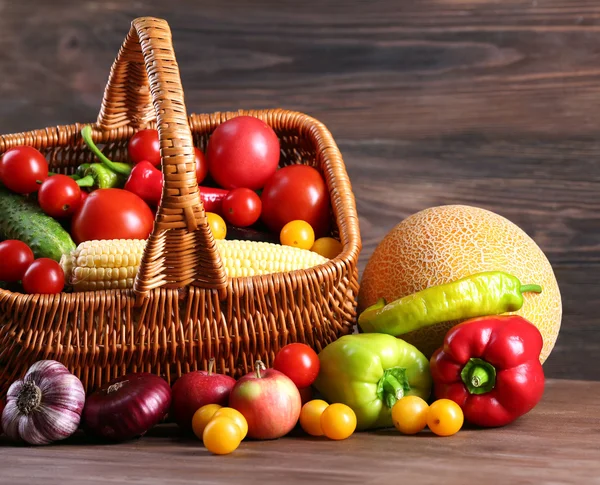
(393, 386)
(121, 168)
(30, 397)
(211, 364)
(532, 288)
(478, 376)
(258, 366)
(87, 181)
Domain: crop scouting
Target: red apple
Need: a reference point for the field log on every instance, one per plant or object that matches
(269, 400)
(195, 389)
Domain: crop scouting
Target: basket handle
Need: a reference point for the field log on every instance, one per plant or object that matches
(181, 250)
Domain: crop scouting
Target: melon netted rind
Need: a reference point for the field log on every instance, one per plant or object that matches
(445, 243)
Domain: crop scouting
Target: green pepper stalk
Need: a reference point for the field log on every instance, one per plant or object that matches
(487, 293)
(117, 167)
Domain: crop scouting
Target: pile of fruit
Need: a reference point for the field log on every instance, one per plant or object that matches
(86, 231)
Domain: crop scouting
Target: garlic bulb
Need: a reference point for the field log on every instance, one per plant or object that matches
(44, 406)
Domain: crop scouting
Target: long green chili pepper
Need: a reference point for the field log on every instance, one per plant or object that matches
(81, 169)
(97, 175)
(481, 294)
(117, 167)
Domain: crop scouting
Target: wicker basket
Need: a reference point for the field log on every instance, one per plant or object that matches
(183, 310)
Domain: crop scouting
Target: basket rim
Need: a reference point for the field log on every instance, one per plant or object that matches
(64, 135)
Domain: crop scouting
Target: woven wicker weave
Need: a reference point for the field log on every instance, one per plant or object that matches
(183, 309)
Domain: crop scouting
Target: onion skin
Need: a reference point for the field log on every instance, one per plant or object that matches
(45, 406)
(1, 409)
(127, 407)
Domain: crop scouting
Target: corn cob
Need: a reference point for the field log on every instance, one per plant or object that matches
(111, 264)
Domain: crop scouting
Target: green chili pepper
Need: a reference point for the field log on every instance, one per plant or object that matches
(117, 167)
(97, 175)
(369, 373)
(81, 169)
(481, 294)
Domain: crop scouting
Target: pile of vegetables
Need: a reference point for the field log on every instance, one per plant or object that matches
(246, 196)
(487, 373)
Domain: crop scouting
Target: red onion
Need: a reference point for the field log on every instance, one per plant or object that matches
(1, 409)
(44, 406)
(127, 407)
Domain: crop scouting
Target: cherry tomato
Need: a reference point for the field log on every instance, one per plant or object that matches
(202, 417)
(298, 234)
(445, 417)
(243, 152)
(112, 214)
(338, 421)
(23, 169)
(296, 192)
(59, 196)
(299, 362)
(310, 417)
(44, 276)
(16, 257)
(201, 165)
(327, 247)
(237, 417)
(222, 435)
(409, 414)
(145, 145)
(241, 207)
(217, 225)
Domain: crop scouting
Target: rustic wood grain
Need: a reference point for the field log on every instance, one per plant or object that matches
(556, 443)
(481, 102)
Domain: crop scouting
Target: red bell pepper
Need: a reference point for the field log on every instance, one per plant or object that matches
(490, 366)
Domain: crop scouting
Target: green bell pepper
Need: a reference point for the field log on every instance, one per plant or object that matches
(369, 373)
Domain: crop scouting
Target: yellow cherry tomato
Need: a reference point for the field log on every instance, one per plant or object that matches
(299, 234)
(327, 247)
(338, 421)
(310, 417)
(445, 417)
(202, 417)
(222, 435)
(409, 414)
(237, 417)
(217, 225)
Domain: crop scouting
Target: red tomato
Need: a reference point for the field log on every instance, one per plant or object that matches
(145, 145)
(23, 169)
(59, 196)
(44, 276)
(112, 214)
(201, 165)
(243, 152)
(296, 192)
(16, 257)
(241, 207)
(299, 362)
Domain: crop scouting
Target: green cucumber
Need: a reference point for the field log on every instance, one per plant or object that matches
(22, 219)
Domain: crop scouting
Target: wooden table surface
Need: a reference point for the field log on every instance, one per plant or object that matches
(558, 442)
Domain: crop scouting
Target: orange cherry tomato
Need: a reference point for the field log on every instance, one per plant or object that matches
(409, 414)
(445, 417)
(310, 417)
(338, 421)
(298, 234)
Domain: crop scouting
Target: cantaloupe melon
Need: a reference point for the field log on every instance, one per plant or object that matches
(445, 243)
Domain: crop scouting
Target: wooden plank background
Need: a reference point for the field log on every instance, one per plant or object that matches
(493, 103)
